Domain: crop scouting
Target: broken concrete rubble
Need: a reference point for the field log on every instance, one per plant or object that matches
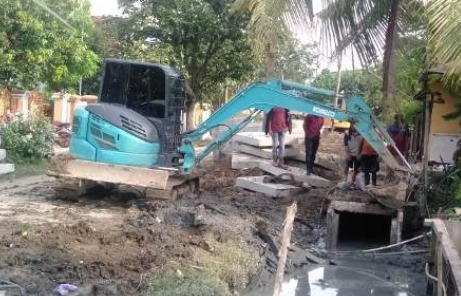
(257, 184)
(299, 175)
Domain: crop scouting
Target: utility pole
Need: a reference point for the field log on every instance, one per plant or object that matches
(338, 81)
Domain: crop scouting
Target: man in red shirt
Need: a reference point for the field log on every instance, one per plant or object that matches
(278, 122)
(312, 126)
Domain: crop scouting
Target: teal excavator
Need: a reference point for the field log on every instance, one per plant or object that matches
(134, 134)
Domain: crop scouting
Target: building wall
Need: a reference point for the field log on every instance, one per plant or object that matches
(444, 134)
(438, 123)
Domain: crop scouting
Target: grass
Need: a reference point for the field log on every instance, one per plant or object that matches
(30, 169)
(191, 283)
(234, 262)
(224, 267)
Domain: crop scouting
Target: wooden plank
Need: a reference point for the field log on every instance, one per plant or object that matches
(116, 174)
(396, 228)
(439, 260)
(283, 252)
(332, 229)
(449, 252)
(361, 208)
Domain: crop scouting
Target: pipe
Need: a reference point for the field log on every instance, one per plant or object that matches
(444, 289)
(385, 247)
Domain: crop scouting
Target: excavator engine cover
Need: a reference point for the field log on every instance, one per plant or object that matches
(137, 121)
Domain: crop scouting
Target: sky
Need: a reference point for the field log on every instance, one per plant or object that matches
(104, 7)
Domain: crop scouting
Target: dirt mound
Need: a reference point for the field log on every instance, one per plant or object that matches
(82, 255)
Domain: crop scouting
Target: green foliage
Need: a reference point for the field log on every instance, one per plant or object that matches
(293, 61)
(444, 36)
(191, 283)
(38, 48)
(206, 40)
(28, 141)
(360, 82)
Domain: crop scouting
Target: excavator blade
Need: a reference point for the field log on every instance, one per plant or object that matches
(157, 183)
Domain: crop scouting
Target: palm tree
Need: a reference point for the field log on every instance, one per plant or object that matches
(271, 21)
(370, 27)
(444, 36)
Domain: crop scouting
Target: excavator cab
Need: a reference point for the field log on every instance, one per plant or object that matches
(137, 120)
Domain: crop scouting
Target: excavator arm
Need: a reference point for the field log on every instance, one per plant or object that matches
(263, 96)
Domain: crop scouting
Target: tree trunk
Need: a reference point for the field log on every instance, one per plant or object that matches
(270, 62)
(190, 116)
(388, 62)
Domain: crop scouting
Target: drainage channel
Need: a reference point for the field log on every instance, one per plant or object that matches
(395, 271)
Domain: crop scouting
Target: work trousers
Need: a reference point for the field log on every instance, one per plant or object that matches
(278, 147)
(312, 145)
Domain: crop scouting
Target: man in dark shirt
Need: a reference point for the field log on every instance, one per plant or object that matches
(312, 126)
(277, 124)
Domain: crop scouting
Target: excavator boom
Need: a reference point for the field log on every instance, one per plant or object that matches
(263, 96)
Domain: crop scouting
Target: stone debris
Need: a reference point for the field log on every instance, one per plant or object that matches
(299, 175)
(257, 184)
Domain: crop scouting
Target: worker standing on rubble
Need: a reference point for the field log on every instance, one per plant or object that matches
(399, 134)
(278, 122)
(352, 143)
(312, 127)
(369, 163)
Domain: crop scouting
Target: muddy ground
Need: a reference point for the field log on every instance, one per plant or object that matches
(118, 243)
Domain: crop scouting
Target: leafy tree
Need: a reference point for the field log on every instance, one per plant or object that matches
(361, 82)
(204, 39)
(295, 61)
(36, 47)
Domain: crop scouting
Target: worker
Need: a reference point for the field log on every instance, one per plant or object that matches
(352, 143)
(399, 134)
(312, 128)
(278, 123)
(369, 163)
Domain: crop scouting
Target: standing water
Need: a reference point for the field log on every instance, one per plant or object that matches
(393, 272)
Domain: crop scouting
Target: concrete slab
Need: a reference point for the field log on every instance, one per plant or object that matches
(242, 161)
(265, 152)
(275, 190)
(298, 174)
(323, 159)
(2, 154)
(6, 168)
(259, 139)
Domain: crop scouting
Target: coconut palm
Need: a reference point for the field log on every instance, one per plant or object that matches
(370, 27)
(271, 21)
(444, 36)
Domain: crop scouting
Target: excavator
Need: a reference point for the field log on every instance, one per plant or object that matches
(134, 134)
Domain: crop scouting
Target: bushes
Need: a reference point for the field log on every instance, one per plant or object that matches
(27, 141)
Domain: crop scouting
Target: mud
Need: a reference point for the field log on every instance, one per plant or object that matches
(119, 241)
(114, 243)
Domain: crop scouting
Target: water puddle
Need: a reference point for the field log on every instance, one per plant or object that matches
(338, 280)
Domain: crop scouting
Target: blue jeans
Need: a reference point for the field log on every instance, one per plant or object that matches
(278, 147)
